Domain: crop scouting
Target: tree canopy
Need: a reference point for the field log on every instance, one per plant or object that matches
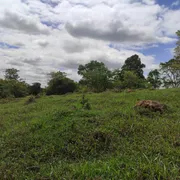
(133, 64)
(171, 73)
(177, 49)
(95, 75)
(60, 84)
(154, 78)
(11, 74)
(35, 88)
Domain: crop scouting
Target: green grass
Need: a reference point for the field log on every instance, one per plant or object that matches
(55, 138)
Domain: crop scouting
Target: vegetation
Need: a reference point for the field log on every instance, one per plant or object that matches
(171, 73)
(87, 135)
(35, 89)
(55, 138)
(177, 49)
(154, 79)
(95, 75)
(60, 84)
(133, 64)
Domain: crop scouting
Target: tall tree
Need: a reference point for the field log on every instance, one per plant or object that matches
(177, 49)
(133, 64)
(171, 73)
(154, 78)
(95, 75)
(60, 84)
(11, 74)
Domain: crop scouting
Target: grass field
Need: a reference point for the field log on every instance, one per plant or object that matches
(55, 138)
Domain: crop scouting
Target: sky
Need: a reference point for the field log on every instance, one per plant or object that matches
(42, 36)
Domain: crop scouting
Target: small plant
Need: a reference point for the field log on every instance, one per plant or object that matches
(37, 96)
(30, 100)
(85, 103)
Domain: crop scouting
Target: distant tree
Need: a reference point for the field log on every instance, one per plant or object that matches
(170, 73)
(4, 89)
(154, 78)
(133, 64)
(95, 75)
(177, 49)
(132, 81)
(13, 88)
(117, 75)
(35, 88)
(12, 85)
(11, 74)
(60, 84)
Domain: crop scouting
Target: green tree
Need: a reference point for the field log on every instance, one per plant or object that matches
(13, 88)
(95, 75)
(132, 81)
(177, 49)
(171, 73)
(18, 88)
(117, 75)
(133, 64)
(35, 89)
(154, 78)
(60, 84)
(11, 74)
(4, 89)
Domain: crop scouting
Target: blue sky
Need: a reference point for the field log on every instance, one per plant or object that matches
(40, 36)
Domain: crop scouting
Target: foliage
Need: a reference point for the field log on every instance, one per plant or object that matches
(50, 140)
(177, 49)
(130, 80)
(133, 64)
(95, 75)
(4, 89)
(85, 103)
(18, 88)
(11, 74)
(13, 88)
(60, 84)
(154, 78)
(170, 73)
(35, 88)
(30, 100)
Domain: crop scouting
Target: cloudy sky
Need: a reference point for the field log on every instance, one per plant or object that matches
(41, 36)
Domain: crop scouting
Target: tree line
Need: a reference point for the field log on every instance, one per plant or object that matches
(96, 77)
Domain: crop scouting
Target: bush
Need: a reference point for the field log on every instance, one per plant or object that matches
(60, 84)
(85, 103)
(13, 88)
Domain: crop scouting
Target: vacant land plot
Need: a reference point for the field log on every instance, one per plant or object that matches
(100, 136)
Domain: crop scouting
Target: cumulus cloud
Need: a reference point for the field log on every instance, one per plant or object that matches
(62, 34)
(19, 22)
(115, 32)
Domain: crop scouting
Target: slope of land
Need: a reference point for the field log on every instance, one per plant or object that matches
(55, 138)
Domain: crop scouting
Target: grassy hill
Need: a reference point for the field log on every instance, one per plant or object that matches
(55, 138)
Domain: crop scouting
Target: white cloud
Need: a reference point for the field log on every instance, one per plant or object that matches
(19, 22)
(85, 29)
(171, 22)
(176, 3)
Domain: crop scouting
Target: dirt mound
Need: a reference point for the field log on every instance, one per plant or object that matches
(151, 105)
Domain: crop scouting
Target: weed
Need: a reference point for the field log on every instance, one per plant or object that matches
(85, 103)
(30, 100)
